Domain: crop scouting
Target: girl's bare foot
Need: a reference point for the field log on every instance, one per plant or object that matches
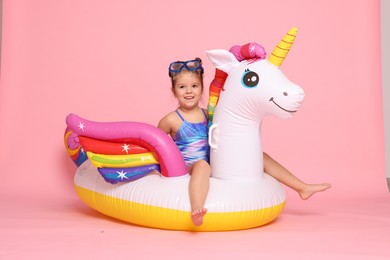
(197, 216)
(310, 189)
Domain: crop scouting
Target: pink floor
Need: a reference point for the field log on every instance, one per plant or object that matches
(321, 228)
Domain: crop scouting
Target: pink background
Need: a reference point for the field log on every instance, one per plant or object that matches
(107, 61)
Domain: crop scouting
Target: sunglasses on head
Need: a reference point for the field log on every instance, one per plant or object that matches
(190, 65)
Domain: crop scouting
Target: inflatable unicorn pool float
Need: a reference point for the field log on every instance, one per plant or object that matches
(134, 172)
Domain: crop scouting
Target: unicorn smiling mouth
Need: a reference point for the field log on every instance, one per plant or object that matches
(290, 111)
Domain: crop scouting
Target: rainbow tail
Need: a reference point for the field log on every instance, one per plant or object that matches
(73, 147)
(122, 151)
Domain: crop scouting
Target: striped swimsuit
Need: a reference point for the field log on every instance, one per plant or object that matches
(191, 138)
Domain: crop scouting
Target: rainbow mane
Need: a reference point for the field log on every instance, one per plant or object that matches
(215, 89)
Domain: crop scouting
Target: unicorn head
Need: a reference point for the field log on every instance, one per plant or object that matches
(255, 86)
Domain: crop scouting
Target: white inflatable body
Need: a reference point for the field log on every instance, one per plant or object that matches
(161, 202)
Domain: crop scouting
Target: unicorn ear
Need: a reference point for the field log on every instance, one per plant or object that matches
(223, 60)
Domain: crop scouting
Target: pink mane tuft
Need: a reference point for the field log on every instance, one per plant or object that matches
(248, 51)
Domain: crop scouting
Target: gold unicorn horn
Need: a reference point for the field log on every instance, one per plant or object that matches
(281, 50)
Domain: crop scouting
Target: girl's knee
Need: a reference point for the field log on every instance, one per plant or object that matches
(202, 166)
(202, 163)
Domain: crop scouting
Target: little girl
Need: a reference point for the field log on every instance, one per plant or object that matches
(187, 126)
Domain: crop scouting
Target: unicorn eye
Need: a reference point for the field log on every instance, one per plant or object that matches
(250, 79)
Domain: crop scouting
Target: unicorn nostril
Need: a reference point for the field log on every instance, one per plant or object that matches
(285, 93)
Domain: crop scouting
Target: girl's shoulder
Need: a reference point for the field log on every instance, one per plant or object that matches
(170, 116)
(169, 122)
(205, 111)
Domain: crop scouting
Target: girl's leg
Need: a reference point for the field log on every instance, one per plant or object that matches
(280, 173)
(198, 189)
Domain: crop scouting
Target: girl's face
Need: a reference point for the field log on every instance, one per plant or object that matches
(188, 89)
